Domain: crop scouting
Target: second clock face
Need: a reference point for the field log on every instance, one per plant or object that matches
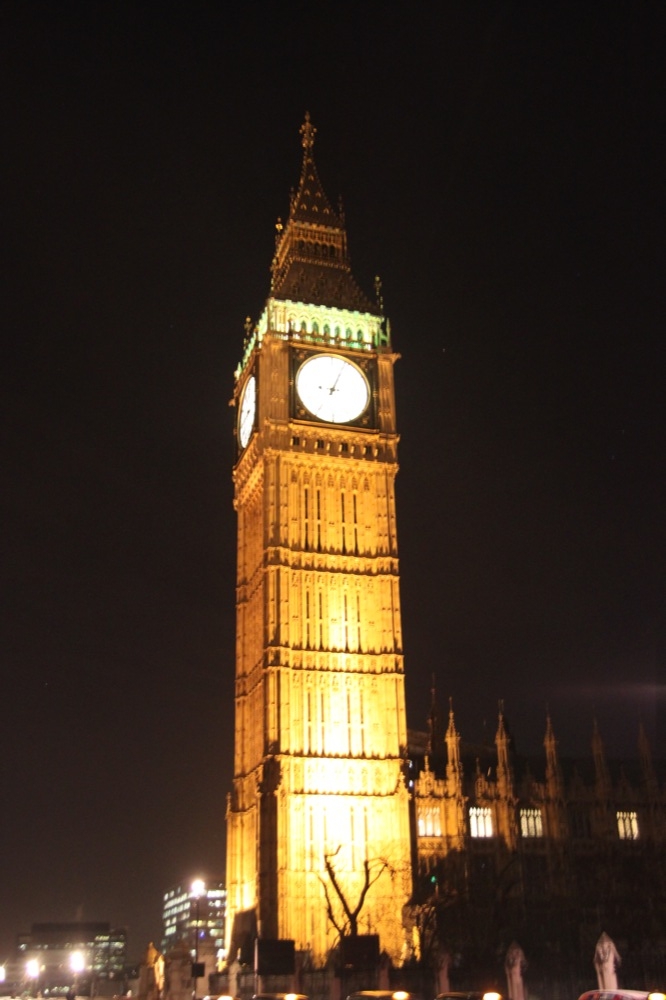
(248, 408)
(332, 388)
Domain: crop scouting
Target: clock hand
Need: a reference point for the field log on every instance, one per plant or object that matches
(335, 384)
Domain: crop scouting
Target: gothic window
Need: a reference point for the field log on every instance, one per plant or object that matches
(307, 531)
(352, 839)
(480, 821)
(320, 620)
(311, 839)
(304, 328)
(346, 621)
(348, 334)
(359, 336)
(354, 523)
(627, 825)
(337, 333)
(315, 327)
(361, 717)
(309, 711)
(308, 623)
(327, 330)
(429, 824)
(531, 823)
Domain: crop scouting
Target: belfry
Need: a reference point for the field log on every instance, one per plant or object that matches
(318, 818)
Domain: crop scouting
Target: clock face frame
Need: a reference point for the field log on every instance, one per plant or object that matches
(248, 409)
(332, 388)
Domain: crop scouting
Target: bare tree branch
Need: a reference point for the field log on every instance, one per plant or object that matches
(372, 871)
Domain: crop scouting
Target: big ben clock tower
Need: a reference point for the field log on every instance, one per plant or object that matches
(318, 816)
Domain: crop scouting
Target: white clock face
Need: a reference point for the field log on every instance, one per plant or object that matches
(247, 410)
(332, 389)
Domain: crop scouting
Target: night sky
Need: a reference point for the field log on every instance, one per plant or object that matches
(502, 168)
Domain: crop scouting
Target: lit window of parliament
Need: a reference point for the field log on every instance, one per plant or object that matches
(332, 800)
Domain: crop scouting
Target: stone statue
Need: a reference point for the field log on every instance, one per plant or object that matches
(515, 964)
(606, 961)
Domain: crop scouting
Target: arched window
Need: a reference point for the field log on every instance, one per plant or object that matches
(531, 823)
(627, 825)
(480, 821)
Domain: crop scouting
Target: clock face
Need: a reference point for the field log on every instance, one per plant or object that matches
(332, 388)
(247, 411)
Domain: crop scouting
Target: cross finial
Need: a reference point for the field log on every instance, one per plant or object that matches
(308, 132)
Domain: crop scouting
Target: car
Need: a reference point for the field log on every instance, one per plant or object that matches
(470, 995)
(623, 995)
(280, 996)
(383, 995)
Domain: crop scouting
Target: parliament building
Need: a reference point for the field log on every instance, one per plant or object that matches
(341, 823)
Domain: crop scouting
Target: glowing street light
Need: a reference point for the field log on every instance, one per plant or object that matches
(32, 970)
(77, 962)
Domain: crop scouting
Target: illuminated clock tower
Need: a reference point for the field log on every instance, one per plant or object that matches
(319, 795)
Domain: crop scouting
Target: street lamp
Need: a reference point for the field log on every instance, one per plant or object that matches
(32, 969)
(198, 890)
(77, 964)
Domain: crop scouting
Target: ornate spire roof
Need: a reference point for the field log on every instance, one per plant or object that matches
(311, 262)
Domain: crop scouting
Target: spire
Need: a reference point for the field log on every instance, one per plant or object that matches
(503, 745)
(308, 132)
(454, 770)
(309, 204)
(554, 782)
(311, 262)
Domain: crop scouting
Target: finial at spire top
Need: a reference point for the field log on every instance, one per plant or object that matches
(308, 132)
